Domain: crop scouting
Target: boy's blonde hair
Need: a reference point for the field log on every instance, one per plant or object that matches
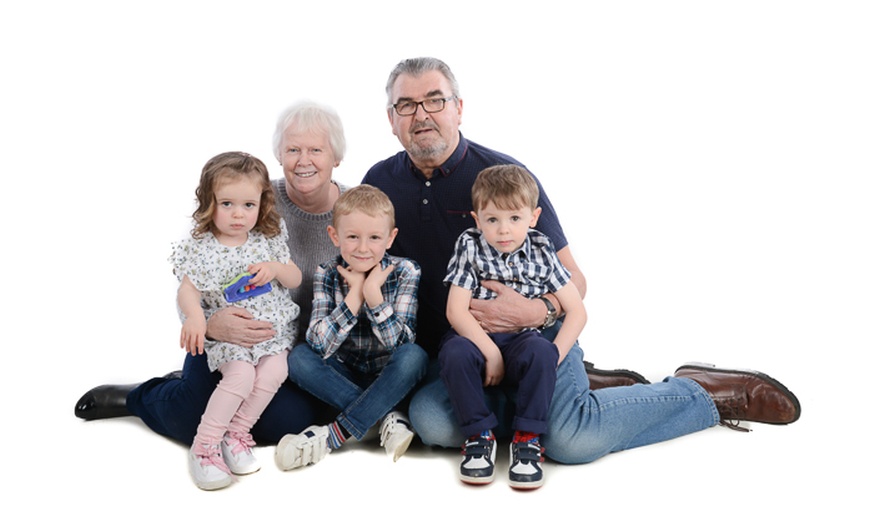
(366, 199)
(506, 187)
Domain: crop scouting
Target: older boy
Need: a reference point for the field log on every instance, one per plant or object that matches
(505, 248)
(360, 357)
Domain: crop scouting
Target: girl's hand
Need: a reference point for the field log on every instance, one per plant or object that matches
(263, 273)
(193, 335)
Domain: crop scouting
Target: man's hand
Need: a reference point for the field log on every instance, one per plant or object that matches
(509, 312)
(237, 326)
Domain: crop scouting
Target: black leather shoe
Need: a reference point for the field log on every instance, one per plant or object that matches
(608, 378)
(107, 401)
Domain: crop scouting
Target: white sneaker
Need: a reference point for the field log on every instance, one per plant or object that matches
(207, 467)
(238, 455)
(308, 447)
(396, 434)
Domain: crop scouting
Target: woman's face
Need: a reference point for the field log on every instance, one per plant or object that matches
(308, 161)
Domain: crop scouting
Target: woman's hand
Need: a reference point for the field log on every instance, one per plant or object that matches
(237, 326)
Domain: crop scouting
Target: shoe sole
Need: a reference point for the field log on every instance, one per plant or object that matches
(212, 486)
(402, 447)
(477, 481)
(637, 377)
(280, 450)
(246, 471)
(525, 486)
(703, 366)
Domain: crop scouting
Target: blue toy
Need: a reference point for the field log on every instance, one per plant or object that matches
(239, 289)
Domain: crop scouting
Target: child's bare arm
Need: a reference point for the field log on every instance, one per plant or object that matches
(460, 317)
(574, 321)
(193, 329)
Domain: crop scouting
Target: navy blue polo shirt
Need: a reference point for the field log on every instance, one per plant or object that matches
(432, 213)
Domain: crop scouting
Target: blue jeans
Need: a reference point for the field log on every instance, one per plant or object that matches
(363, 398)
(173, 407)
(583, 425)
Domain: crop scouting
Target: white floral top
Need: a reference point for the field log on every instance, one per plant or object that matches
(211, 265)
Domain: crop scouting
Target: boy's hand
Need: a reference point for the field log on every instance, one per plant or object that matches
(193, 335)
(377, 277)
(354, 280)
(494, 369)
(263, 273)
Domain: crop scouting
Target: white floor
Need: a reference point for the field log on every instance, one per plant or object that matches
(122, 470)
(708, 161)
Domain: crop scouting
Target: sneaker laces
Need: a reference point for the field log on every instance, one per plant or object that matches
(211, 456)
(240, 443)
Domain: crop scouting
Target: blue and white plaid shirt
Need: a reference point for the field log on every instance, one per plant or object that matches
(532, 270)
(364, 342)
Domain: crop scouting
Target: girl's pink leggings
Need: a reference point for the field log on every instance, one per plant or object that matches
(241, 397)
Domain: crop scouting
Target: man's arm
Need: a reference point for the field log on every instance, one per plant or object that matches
(511, 311)
(574, 321)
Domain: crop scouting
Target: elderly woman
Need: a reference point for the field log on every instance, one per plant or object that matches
(309, 143)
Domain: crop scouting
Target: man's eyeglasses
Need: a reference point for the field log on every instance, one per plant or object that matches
(430, 105)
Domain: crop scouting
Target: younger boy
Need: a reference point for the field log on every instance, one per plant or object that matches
(360, 355)
(504, 248)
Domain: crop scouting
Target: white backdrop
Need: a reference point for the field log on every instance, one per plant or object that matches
(708, 161)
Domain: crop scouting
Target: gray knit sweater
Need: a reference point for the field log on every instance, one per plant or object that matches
(309, 243)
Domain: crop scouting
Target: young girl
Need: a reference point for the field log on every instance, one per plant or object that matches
(237, 230)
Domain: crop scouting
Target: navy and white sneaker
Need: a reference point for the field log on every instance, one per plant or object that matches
(525, 471)
(478, 466)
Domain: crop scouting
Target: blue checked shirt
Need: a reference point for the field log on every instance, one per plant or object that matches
(364, 342)
(532, 270)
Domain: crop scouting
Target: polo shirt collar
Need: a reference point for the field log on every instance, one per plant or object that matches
(450, 165)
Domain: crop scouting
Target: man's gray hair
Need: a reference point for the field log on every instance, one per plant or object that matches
(416, 67)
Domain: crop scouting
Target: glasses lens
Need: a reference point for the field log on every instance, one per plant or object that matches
(406, 108)
(433, 105)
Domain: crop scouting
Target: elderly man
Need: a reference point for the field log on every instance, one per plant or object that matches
(430, 184)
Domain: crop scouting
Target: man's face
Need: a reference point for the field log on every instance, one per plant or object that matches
(429, 138)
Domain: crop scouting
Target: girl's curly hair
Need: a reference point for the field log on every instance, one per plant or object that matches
(228, 167)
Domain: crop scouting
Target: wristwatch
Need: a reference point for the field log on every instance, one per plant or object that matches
(551, 313)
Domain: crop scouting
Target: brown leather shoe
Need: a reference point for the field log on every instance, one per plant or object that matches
(608, 378)
(744, 395)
